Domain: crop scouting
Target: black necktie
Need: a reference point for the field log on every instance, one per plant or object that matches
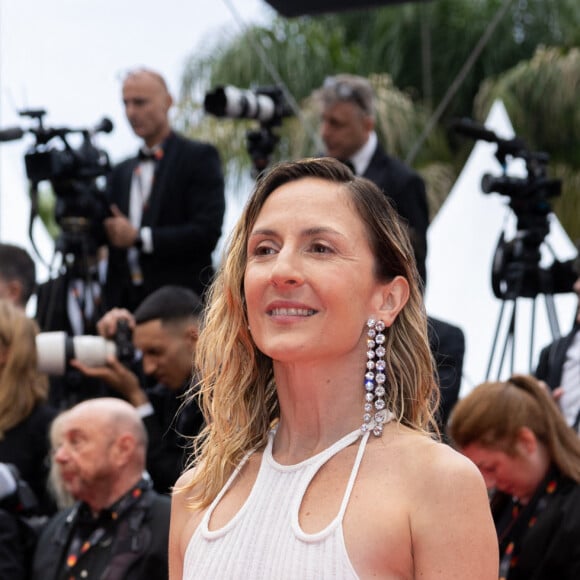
(150, 154)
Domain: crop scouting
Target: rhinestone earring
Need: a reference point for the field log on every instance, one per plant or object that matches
(375, 415)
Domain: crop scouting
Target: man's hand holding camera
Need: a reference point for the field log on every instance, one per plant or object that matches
(116, 374)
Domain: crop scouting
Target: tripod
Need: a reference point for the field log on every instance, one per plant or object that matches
(71, 300)
(516, 274)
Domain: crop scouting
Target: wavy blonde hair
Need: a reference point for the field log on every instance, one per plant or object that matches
(493, 414)
(236, 386)
(22, 387)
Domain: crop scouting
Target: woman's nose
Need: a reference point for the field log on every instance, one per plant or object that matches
(286, 270)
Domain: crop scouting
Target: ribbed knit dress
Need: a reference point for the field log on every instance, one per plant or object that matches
(264, 539)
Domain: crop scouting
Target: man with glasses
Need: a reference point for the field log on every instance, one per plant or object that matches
(348, 132)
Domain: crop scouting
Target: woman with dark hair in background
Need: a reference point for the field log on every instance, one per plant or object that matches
(530, 460)
(317, 386)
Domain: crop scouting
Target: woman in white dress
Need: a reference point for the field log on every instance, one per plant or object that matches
(319, 458)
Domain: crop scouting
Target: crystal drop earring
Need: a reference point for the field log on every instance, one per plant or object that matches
(375, 413)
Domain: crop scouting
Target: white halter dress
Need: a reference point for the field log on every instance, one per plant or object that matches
(264, 539)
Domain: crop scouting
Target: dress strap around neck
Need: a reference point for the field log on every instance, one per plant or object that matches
(353, 474)
(321, 456)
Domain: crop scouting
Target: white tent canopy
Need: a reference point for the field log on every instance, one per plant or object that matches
(462, 240)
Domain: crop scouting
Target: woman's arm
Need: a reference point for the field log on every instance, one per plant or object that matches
(181, 515)
(452, 530)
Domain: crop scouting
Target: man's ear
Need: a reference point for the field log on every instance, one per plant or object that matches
(124, 448)
(394, 296)
(369, 123)
(191, 336)
(168, 102)
(14, 289)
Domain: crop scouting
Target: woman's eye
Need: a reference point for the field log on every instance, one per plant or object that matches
(263, 250)
(321, 249)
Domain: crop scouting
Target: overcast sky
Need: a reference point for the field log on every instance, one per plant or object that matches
(66, 56)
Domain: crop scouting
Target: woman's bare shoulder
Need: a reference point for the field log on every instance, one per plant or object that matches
(426, 462)
(439, 486)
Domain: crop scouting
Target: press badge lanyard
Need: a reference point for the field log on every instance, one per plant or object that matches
(520, 523)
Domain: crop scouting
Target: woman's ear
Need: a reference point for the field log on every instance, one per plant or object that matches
(527, 440)
(395, 295)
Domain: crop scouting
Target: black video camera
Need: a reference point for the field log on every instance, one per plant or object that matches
(73, 173)
(516, 270)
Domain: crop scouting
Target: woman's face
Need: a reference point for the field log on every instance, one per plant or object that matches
(309, 279)
(518, 475)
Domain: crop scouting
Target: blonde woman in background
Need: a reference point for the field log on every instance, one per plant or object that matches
(25, 417)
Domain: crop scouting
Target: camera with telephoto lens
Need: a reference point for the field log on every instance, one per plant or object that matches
(56, 349)
(265, 104)
(268, 105)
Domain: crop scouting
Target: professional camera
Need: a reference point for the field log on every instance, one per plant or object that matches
(516, 271)
(56, 349)
(266, 104)
(73, 173)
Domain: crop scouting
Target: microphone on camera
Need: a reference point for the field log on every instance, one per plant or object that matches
(470, 128)
(105, 125)
(11, 134)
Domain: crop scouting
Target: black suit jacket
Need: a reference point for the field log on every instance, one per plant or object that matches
(551, 360)
(27, 446)
(447, 344)
(169, 430)
(137, 553)
(407, 191)
(185, 213)
(52, 307)
(14, 556)
(550, 548)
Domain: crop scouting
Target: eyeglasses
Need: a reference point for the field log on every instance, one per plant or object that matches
(345, 91)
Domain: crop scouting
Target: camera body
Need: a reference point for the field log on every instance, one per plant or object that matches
(56, 349)
(73, 172)
(44, 161)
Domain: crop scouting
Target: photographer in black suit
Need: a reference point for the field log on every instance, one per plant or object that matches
(167, 203)
(348, 132)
